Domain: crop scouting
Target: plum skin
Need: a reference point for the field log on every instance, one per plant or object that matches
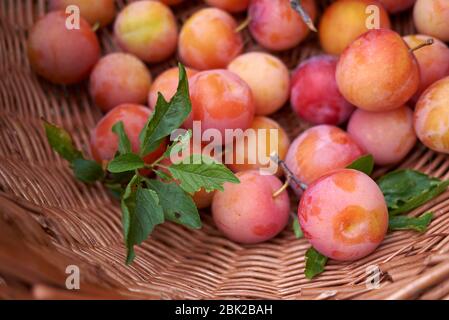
(395, 128)
(377, 72)
(104, 142)
(247, 212)
(276, 26)
(320, 150)
(98, 11)
(433, 61)
(268, 78)
(60, 55)
(344, 21)
(344, 215)
(198, 46)
(220, 100)
(314, 93)
(167, 83)
(119, 78)
(283, 142)
(431, 116)
(147, 29)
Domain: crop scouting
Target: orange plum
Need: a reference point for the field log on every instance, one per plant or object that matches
(220, 100)
(344, 21)
(432, 116)
(61, 55)
(167, 83)
(268, 78)
(248, 149)
(98, 11)
(208, 40)
(148, 30)
(378, 71)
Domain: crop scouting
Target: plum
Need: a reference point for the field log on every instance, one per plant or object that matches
(119, 78)
(344, 215)
(59, 54)
(247, 212)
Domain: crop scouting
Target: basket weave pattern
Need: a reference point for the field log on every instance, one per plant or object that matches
(48, 220)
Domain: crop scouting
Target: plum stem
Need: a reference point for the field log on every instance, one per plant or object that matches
(244, 24)
(290, 175)
(428, 42)
(282, 189)
(297, 6)
(96, 26)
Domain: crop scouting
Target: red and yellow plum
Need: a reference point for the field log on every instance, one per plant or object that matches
(433, 60)
(268, 78)
(59, 54)
(388, 136)
(378, 72)
(98, 11)
(343, 215)
(314, 93)
(220, 100)
(104, 142)
(263, 145)
(208, 40)
(320, 150)
(119, 78)
(432, 116)
(344, 21)
(247, 212)
(148, 30)
(432, 18)
(167, 83)
(276, 26)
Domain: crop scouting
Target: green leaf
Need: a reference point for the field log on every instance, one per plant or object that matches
(315, 263)
(178, 206)
(405, 190)
(61, 141)
(163, 175)
(142, 212)
(419, 224)
(297, 228)
(87, 171)
(124, 146)
(167, 116)
(125, 162)
(201, 172)
(364, 164)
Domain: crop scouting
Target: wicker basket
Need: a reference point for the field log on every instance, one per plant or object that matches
(49, 221)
